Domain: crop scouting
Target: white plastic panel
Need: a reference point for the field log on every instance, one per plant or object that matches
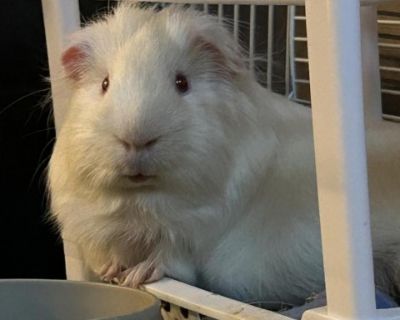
(207, 303)
(334, 50)
(61, 18)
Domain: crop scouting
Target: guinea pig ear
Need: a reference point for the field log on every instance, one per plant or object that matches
(226, 55)
(75, 61)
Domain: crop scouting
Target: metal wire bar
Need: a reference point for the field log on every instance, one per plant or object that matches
(270, 35)
(220, 12)
(288, 53)
(292, 48)
(236, 22)
(252, 36)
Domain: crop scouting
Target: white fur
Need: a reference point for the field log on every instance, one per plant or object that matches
(233, 208)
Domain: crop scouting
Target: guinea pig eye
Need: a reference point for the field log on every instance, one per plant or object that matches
(181, 83)
(105, 84)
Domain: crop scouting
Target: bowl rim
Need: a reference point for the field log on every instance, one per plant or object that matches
(150, 300)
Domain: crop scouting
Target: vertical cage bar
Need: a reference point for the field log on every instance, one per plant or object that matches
(60, 19)
(205, 8)
(252, 35)
(370, 63)
(292, 50)
(236, 22)
(220, 12)
(334, 44)
(270, 46)
(288, 52)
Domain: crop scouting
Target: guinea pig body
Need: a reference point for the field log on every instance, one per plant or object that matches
(173, 160)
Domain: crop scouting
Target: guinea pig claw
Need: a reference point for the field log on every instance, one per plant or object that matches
(142, 273)
(110, 271)
(156, 275)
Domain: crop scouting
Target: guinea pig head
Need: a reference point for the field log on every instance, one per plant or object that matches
(154, 103)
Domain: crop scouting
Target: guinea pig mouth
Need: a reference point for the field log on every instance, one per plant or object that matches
(139, 178)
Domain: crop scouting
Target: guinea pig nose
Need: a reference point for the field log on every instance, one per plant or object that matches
(147, 144)
(136, 144)
(143, 144)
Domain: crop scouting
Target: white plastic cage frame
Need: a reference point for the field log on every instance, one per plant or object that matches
(344, 79)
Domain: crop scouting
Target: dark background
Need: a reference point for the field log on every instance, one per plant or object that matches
(29, 246)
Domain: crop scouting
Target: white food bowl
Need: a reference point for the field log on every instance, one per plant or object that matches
(74, 300)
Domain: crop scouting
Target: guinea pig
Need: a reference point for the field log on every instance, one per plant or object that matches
(172, 160)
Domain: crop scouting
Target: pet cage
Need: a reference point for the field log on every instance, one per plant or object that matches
(344, 78)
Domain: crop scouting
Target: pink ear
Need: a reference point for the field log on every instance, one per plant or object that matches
(227, 59)
(75, 61)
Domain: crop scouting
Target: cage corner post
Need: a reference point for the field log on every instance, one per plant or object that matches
(61, 17)
(335, 55)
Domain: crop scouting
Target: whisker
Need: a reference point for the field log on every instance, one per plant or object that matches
(9, 106)
(39, 131)
(45, 160)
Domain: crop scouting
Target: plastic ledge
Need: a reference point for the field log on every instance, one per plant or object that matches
(322, 314)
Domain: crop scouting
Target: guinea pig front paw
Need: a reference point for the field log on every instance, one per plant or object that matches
(144, 272)
(111, 272)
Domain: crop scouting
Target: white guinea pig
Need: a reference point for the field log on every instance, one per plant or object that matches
(173, 161)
